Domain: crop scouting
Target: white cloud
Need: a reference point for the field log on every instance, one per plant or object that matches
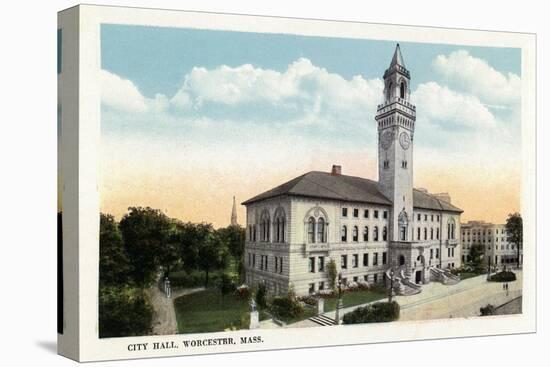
(121, 94)
(477, 77)
(450, 109)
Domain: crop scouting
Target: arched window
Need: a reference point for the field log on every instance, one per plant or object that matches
(425, 233)
(375, 234)
(355, 234)
(431, 233)
(418, 233)
(321, 230)
(311, 230)
(264, 226)
(402, 90)
(389, 91)
(401, 260)
(280, 221)
(366, 234)
(344, 234)
(385, 234)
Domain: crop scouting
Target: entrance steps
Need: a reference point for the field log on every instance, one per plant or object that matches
(322, 320)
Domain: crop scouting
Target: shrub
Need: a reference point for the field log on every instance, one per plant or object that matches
(504, 276)
(261, 299)
(124, 311)
(487, 310)
(286, 307)
(332, 272)
(376, 312)
(308, 300)
(226, 285)
(243, 292)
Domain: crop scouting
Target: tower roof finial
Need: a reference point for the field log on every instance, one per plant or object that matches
(397, 57)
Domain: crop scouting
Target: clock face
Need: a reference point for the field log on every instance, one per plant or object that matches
(404, 140)
(385, 139)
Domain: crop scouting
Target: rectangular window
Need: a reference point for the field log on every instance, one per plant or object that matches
(418, 233)
(425, 216)
(437, 253)
(366, 278)
(384, 258)
(253, 260)
(344, 212)
(321, 286)
(418, 218)
(276, 264)
(356, 213)
(376, 278)
(321, 263)
(344, 261)
(365, 259)
(438, 218)
(385, 214)
(311, 265)
(265, 263)
(311, 288)
(366, 213)
(376, 214)
(281, 265)
(375, 259)
(432, 218)
(355, 279)
(355, 261)
(431, 253)
(437, 233)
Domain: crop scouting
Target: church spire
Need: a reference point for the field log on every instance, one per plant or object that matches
(234, 213)
(397, 57)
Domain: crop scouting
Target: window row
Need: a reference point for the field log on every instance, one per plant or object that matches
(355, 234)
(365, 262)
(424, 231)
(366, 213)
(278, 225)
(264, 262)
(431, 216)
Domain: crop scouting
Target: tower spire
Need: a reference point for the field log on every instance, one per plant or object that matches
(234, 213)
(397, 57)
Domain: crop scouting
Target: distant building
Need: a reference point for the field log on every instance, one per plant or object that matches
(234, 214)
(494, 241)
(367, 227)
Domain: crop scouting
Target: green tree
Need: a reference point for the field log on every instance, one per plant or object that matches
(234, 237)
(514, 231)
(114, 266)
(146, 233)
(189, 237)
(212, 255)
(476, 255)
(332, 272)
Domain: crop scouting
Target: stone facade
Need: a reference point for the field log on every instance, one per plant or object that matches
(366, 227)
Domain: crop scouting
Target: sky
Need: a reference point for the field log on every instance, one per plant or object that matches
(191, 118)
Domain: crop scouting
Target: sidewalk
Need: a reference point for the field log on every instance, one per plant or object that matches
(164, 320)
(438, 301)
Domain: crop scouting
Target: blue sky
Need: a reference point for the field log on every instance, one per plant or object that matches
(157, 58)
(181, 102)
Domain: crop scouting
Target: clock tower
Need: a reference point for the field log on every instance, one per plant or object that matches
(396, 118)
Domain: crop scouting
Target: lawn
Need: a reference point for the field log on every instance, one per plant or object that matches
(350, 299)
(206, 311)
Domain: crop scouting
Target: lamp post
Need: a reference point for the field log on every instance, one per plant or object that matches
(390, 293)
(339, 305)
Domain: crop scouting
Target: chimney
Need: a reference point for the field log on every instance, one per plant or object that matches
(336, 170)
(444, 196)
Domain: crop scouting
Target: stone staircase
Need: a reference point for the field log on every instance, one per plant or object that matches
(402, 284)
(322, 320)
(444, 276)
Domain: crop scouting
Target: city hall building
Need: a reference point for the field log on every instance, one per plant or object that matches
(366, 227)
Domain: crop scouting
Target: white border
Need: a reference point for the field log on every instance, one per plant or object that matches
(93, 348)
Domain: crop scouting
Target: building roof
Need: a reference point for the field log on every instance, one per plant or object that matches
(324, 185)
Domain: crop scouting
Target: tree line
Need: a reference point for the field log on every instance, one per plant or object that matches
(146, 243)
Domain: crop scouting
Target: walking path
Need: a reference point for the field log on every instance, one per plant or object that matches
(438, 301)
(164, 320)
